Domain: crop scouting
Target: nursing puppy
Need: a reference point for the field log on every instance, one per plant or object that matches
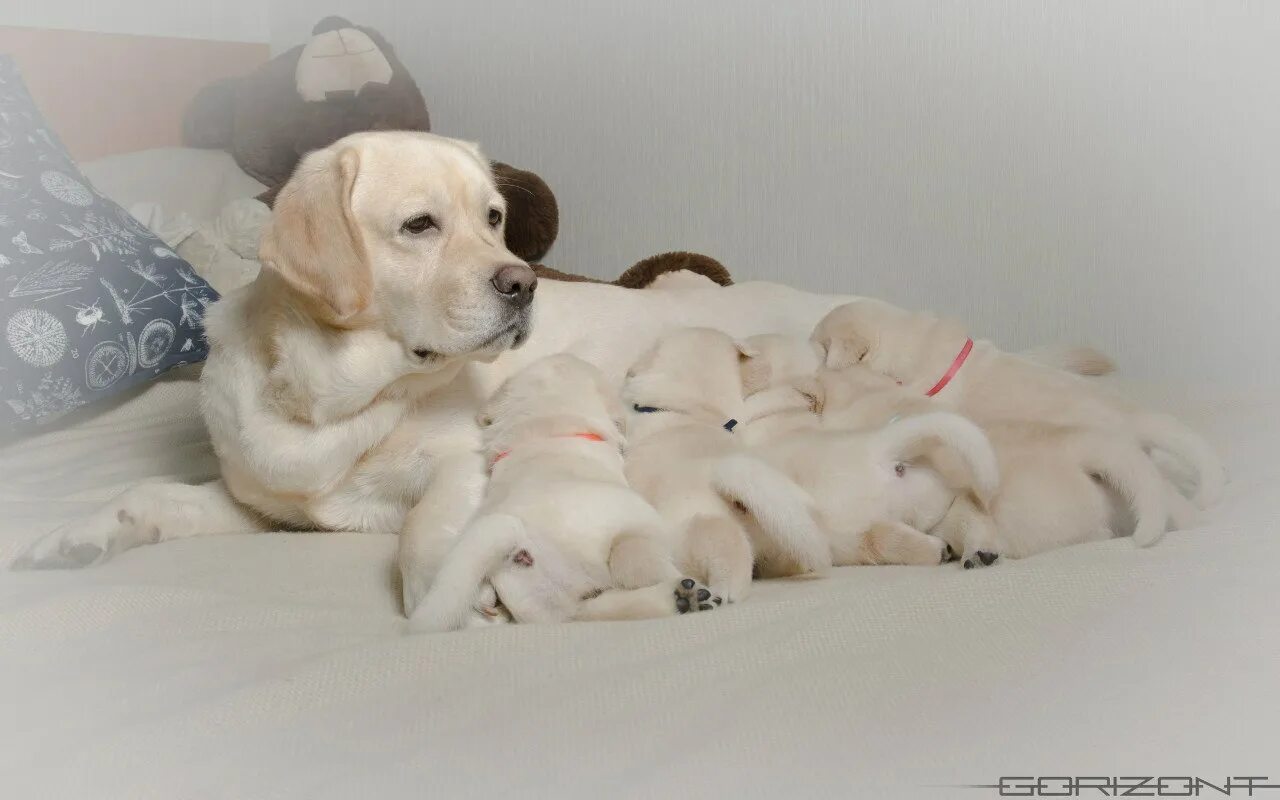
(1060, 485)
(685, 456)
(936, 357)
(559, 532)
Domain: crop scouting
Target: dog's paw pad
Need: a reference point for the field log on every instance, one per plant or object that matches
(693, 596)
(947, 553)
(980, 558)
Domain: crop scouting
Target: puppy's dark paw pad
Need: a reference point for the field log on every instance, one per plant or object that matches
(693, 596)
(980, 558)
(947, 553)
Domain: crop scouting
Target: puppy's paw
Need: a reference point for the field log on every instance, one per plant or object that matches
(692, 596)
(980, 558)
(488, 608)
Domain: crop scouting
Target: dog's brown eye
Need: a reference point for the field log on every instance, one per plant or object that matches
(418, 224)
(495, 217)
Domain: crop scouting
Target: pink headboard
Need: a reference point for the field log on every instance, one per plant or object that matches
(107, 93)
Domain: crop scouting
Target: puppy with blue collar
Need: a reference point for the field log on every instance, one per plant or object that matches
(736, 515)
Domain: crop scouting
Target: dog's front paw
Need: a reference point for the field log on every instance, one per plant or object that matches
(692, 596)
(108, 531)
(980, 558)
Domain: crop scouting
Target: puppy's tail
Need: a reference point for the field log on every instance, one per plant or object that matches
(1164, 432)
(910, 437)
(1080, 359)
(782, 508)
(1127, 469)
(481, 549)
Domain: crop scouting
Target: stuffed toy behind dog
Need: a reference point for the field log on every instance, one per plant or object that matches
(347, 79)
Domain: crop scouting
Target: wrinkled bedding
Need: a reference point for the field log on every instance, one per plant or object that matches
(277, 665)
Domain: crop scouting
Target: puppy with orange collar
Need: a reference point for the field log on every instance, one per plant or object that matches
(559, 535)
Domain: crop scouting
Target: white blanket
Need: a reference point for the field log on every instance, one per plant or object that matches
(277, 665)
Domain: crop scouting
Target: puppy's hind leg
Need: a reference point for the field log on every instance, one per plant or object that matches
(896, 543)
(717, 550)
(484, 547)
(146, 514)
(681, 596)
(971, 532)
(638, 560)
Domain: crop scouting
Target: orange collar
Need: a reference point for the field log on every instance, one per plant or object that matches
(590, 437)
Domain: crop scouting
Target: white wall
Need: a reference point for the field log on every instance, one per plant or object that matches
(1102, 171)
(219, 20)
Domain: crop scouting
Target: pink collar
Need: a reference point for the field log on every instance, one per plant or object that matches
(590, 437)
(961, 357)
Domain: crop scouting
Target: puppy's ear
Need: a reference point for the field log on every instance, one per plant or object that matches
(313, 242)
(812, 388)
(841, 350)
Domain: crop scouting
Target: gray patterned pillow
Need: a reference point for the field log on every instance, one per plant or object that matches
(91, 302)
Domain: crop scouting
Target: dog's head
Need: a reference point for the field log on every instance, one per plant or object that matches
(691, 370)
(885, 338)
(403, 232)
(771, 360)
(554, 396)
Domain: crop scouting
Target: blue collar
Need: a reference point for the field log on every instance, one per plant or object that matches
(639, 409)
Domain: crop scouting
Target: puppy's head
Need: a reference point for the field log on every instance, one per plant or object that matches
(403, 232)
(691, 370)
(772, 359)
(841, 388)
(557, 395)
(883, 337)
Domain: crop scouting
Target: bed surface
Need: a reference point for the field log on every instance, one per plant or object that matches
(277, 665)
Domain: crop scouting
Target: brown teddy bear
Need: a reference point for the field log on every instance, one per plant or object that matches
(347, 78)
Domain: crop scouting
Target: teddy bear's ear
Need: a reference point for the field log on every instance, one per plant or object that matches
(533, 218)
(209, 119)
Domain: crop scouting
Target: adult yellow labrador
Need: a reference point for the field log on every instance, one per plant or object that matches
(342, 385)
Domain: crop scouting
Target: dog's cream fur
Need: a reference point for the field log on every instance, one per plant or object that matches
(559, 533)
(322, 416)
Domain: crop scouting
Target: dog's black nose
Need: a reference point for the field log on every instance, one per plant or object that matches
(516, 283)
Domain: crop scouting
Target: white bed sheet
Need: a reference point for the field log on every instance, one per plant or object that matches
(277, 665)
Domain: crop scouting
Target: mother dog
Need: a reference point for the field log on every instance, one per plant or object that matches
(342, 386)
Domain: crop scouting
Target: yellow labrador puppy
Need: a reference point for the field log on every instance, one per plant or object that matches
(686, 456)
(1058, 482)
(936, 358)
(560, 534)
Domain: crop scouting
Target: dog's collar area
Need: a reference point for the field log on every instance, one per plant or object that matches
(956, 364)
(590, 437)
(639, 409)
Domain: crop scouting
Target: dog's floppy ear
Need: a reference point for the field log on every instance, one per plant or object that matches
(313, 242)
(840, 349)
